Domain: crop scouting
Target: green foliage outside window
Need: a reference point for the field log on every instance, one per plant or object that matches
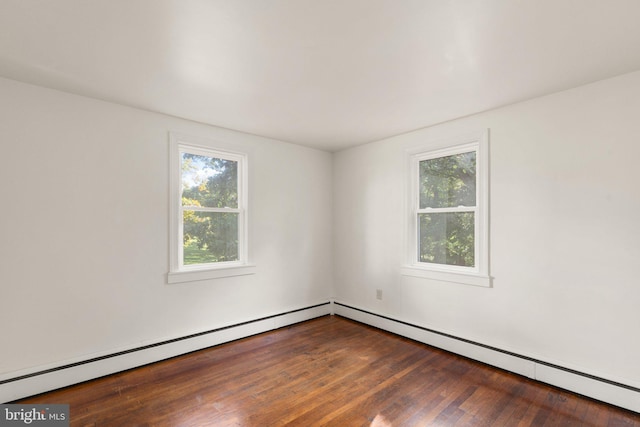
(447, 238)
(209, 182)
(447, 183)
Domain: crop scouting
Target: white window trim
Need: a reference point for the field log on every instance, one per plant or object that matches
(178, 272)
(479, 274)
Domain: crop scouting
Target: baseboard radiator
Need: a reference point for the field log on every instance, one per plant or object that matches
(22, 384)
(605, 390)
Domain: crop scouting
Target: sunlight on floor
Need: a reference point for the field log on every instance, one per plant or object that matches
(380, 421)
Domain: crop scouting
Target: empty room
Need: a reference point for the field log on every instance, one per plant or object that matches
(320, 212)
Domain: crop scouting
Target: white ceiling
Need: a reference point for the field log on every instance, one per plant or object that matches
(324, 73)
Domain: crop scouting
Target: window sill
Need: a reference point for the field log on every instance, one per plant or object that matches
(446, 276)
(212, 273)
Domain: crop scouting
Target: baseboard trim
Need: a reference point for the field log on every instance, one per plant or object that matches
(40, 380)
(612, 392)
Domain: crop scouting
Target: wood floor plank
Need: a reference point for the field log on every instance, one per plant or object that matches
(328, 371)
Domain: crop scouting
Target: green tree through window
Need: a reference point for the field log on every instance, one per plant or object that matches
(446, 212)
(210, 208)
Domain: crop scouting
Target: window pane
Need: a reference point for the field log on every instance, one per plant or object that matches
(447, 238)
(210, 237)
(209, 181)
(448, 181)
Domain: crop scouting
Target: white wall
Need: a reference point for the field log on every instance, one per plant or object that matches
(564, 232)
(84, 230)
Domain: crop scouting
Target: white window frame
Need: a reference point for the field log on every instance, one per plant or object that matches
(477, 275)
(178, 272)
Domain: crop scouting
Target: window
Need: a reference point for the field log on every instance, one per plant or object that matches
(448, 226)
(209, 211)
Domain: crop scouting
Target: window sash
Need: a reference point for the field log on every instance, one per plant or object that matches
(239, 210)
(178, 261)
(441, 248)
(437, 154)
(207, 209)
(447, 210)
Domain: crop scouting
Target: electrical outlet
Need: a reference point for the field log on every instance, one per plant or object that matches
(379, 293)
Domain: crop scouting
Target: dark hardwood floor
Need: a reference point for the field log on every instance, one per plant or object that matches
(326, 372)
